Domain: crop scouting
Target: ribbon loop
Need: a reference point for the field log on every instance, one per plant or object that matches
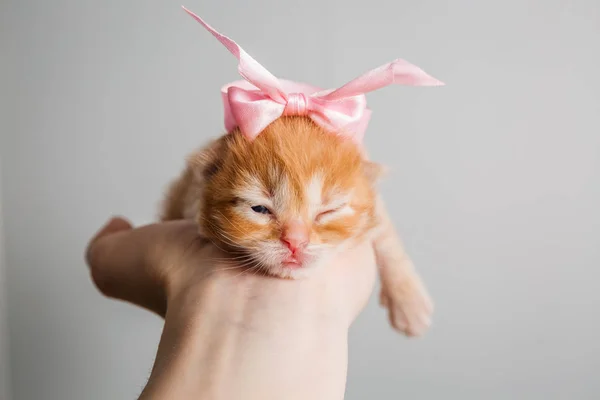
(296, 105)
(254, 104)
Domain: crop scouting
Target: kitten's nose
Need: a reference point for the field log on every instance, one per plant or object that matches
(295, 236)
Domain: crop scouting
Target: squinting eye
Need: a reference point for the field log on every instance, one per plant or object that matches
(330, 211)
(326, 213)
(261, 209)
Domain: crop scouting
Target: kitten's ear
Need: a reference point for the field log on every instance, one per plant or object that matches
(206, 162)
(373, 171)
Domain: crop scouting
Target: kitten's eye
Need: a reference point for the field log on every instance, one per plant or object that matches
(261, 209)
(328, 212)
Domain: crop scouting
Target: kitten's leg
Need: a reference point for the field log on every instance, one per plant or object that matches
(402, 291)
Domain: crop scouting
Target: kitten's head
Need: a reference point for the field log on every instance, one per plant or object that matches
(287, 201)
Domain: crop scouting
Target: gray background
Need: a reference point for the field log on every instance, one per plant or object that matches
(495, 181)
(4, 364)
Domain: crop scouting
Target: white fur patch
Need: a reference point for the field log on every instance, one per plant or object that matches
(282, 195)
(314, 192)
(253, 194)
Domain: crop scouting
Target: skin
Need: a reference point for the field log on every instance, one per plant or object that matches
(231, 334)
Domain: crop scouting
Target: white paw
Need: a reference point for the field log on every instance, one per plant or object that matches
(408, 303)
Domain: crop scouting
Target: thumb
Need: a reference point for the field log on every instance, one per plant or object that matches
(114, 225)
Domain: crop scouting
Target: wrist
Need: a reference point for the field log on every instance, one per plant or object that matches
(222, 343)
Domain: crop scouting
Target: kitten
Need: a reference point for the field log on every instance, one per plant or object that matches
(289, 200)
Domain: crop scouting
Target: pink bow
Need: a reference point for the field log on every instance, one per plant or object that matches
(261, 99)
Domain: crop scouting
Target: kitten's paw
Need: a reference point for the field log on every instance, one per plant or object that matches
(409, 305)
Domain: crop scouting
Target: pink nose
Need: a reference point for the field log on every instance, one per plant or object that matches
(295, 244)
(295, 236)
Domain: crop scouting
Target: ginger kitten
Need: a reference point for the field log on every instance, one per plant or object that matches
(290, 199)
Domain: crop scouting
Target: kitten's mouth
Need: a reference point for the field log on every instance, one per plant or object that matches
(292, 264)
(300, 260)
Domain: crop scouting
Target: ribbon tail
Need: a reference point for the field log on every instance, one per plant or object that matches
(248, 67)
(396, 72)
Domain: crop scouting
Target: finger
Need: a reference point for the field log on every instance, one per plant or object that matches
(115, 224)
(140, 265)
(117, 256)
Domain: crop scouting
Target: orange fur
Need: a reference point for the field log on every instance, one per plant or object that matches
(280, 162)
(293, 150)
(304, 175)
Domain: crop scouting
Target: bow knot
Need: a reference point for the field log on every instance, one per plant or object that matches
(256, 102)
(296, 105)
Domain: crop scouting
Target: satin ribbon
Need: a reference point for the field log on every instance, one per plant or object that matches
(255, 103)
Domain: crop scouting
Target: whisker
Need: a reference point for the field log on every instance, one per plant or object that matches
(240, 257)
(231, 223)
(241, 273)
(224, 236)
(229, 268)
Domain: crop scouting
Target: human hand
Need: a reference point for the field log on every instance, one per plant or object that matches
(230, 333)
(150, 264)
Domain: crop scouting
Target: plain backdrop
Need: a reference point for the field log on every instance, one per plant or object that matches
(494, 185)
(4, 360)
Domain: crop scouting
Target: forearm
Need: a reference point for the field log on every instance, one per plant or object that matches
(230, 334)
(249, 347)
